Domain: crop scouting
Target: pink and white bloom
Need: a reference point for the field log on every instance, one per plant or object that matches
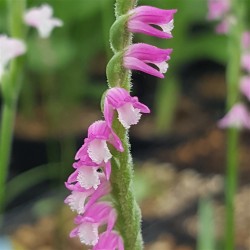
(246, 40)
(42, 19)
(245, 86)
(223, 27)
(129, 108)
(98, 214)
(138, 56)
(245, 61)
(142, 18)
(87, 176)
(109, 240)
(217, 9)
(9, 49)
(77, 199)
(238, 117)
(95, 145)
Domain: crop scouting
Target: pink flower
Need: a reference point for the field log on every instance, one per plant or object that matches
(98, 214)
(223, 27)
(87, 176)
(9, 49)
(237, 117)
(109, 240)
(41, 18)
(245, 86)
(245, 61)
(142, 18)
(139, 55)
(246, 40)
(218, 8)
(129, 108)
(77, 199)
(95, 146)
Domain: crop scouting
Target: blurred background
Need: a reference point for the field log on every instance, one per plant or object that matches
(178, 150)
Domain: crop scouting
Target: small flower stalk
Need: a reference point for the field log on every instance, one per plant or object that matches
(12, 47)
(231, 14)
(103, 164)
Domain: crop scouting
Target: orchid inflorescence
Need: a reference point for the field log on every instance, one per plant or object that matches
(90, 182)
(238, 116)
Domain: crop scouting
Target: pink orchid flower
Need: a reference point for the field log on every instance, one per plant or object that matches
(238, 117)
(245, 86)
(245, 61)
(41, 18)
(9, 49)
(129, 108)
(98, 214)
(77, 199)
(246, 40)
(142, 18)
(138, 56)
(218, 8)
(109, 240)
(95, 146)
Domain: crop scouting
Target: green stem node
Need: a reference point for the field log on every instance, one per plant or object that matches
(120, 37)
(117, 75)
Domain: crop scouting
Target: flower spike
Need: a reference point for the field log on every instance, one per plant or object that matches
(137, 57)
(142, 18)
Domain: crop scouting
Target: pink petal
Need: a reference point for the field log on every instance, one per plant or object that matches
(9, 49)
(110, 240)
(245, 61)
(128, 115)
(98, 151)
(76, 200)
(88, 233)
(41, 18)
(237, 117)
(245, 86)
(141, 27)
(152, 15)
(133, 63)
(246, 40)
(148, 53)
(88, 177)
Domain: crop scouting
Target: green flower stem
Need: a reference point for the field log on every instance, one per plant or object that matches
(123, 6)
(10, 90)
(233, 79)
(128, 211)
(129, 215)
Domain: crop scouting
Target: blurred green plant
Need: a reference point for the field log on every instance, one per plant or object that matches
(62, 72)
(10, 88)
(206, 228)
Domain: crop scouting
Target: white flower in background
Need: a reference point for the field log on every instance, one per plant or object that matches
(9, 49)
(41, 18)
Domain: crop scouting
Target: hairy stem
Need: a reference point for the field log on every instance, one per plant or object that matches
(128, 211)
